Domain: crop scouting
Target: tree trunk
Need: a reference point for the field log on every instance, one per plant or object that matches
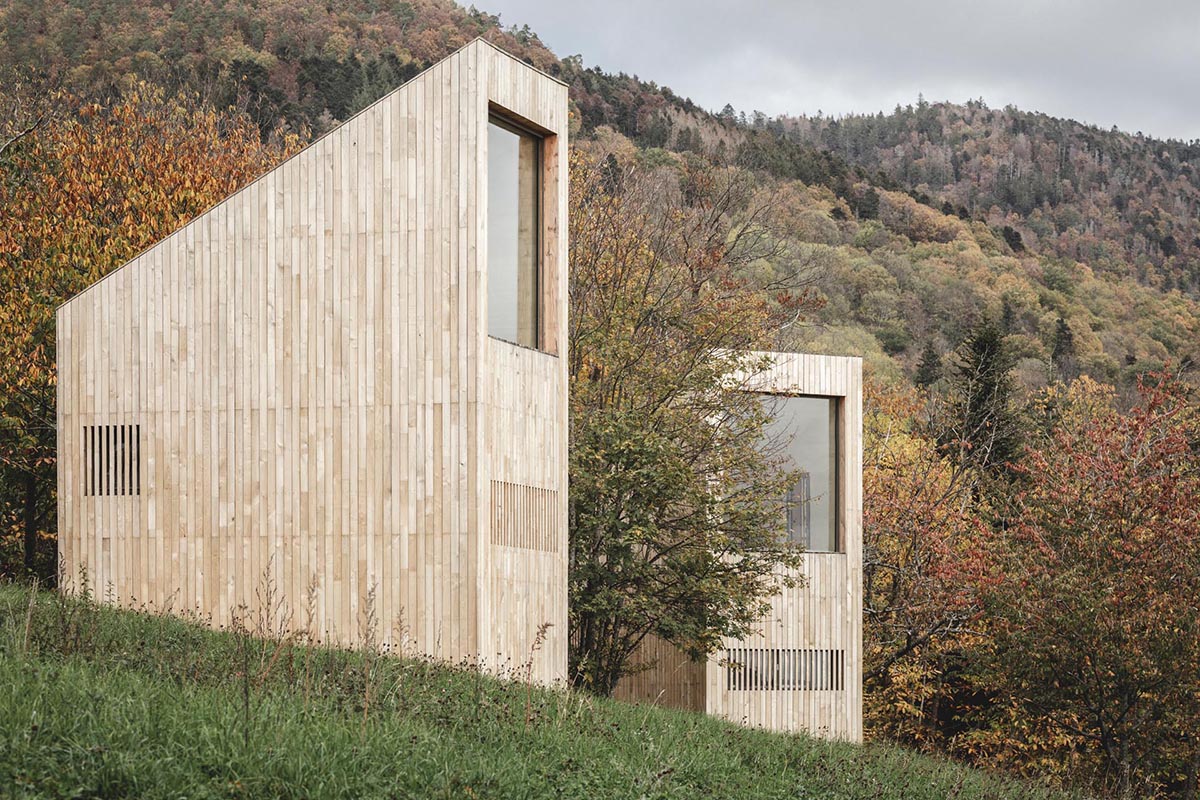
(1191, 790)
(1125, 788)
(30, 523)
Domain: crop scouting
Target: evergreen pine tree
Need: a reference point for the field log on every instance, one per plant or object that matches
(1008, 317)
(1012, 237)
(867, 205)
(929, 370)
(612, 178)
(1063, 353)
(983, 427)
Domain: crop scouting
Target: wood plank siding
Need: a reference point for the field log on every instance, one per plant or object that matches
(802, 670)
(297, 394)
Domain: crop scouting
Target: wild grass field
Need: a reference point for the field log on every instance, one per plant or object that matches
(101, 703)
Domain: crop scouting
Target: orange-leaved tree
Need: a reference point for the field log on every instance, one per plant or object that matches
(922, 567)
(82, 191)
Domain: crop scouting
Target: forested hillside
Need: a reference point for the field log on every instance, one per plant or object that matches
(306, 63)
(1025, 292)
(1121, 203)
(1010, 215)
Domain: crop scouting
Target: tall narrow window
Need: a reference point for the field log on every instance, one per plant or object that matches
(804, 431)
(514, 216)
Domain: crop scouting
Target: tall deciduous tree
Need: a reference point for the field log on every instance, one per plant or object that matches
(81, 192)
(922, 562)
(1096, 620)
(674, 503)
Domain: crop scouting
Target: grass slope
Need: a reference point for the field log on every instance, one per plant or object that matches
(102, 703)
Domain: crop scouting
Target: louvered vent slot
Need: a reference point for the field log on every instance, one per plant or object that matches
(756, 669)
(112, 460)
(525, 516)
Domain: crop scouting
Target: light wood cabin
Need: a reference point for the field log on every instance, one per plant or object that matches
(305, 396)
(802, 670)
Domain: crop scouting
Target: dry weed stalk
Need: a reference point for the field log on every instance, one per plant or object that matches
(33, 589)
(538, 640)
(367, 635)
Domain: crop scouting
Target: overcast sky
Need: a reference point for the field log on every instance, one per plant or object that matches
(1130, 63)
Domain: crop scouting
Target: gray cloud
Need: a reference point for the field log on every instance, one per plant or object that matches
(1135, 65)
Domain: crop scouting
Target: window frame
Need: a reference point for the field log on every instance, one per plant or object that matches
(544, 337)
(837, 477)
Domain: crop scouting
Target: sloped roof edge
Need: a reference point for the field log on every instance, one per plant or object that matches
(476, 41)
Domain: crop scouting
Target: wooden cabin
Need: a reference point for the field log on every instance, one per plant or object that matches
(336, 401)
(802, 669)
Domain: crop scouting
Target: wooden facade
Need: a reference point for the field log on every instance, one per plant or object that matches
(293, 399)
(802, 670)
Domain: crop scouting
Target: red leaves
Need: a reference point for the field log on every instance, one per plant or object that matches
(1101, 627)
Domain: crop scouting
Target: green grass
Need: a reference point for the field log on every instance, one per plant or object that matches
(102, 703)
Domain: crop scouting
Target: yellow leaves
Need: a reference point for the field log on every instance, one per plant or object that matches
(918, 222)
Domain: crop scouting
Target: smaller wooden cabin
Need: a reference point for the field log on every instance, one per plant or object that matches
(802, 670)
(338, 399)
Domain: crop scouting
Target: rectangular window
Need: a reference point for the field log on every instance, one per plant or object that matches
(112, 460)
(804, 431)
(514, 219)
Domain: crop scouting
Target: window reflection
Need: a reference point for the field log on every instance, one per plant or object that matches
(513, 218)
(804, 433)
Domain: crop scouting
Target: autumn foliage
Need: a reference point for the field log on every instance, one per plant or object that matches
(1047, 622)
(1095, 619)
(922, 567)
(1031, 569)
(85, 189)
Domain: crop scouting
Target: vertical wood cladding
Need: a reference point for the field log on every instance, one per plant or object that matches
(308, 377)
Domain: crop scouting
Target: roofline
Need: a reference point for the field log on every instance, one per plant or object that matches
(502, 51)
(775, 354)
(148, 248)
